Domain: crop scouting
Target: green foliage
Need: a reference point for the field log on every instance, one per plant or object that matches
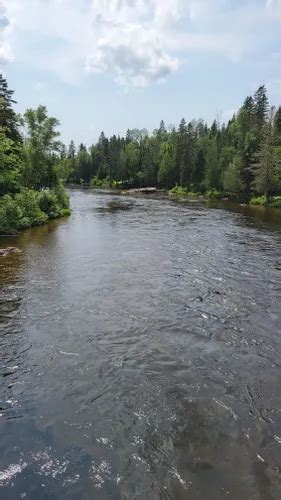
(48, 203)
(96, 182)
(9, 120)
(10, 164)
(182, 191)
(62, 196)
(28, 202)
(241, 158)
(273, 202)
(232, 182)
(103, 183)
(10, 215)
(221, 159)
(31, 208)
(214, 194)
(41, 149)
(31, 168)
(268, 167)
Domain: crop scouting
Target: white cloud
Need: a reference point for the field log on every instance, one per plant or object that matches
(138, 42)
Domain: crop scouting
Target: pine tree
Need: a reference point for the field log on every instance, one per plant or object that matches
(199, 171)
(9, 121)
(267, 168)
(277, 127)
(261, 107)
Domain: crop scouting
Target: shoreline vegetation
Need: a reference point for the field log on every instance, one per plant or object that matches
(180, 192)
(240, 161)
(32, 173)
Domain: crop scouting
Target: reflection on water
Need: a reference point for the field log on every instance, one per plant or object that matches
(140, 353)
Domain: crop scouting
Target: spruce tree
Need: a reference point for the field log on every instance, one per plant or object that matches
(9, 121)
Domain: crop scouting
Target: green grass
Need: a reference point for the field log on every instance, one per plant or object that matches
(181, 191)
(213, 194)
(274, 201)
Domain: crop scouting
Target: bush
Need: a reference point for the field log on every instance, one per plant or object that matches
(95, 182)
(48, 203)
(104, 183)
(65, 212)
(213, 194)
(32, 208)
(10, 215)
(62, 196)
(274, 202)
(258, 200)
(28, 203)
(182, 191)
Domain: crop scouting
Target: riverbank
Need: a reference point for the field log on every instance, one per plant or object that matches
(30, 208)
(178, 191)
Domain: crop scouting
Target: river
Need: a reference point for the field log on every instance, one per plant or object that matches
(141, 353)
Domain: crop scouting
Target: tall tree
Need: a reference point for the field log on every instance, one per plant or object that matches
(40, 149)
(9, 121)
(268, 168)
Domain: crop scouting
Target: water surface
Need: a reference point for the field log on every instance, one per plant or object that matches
(140, 353)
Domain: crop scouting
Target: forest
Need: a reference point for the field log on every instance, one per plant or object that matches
(240, 160)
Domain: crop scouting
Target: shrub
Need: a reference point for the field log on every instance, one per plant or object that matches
(182, 191)
(48, 203)
(62, 196)
(95, 182)
(31, 208)
(213, 194)
(274, 202)
(10, 215)
(28, 203)
(65, 212)
(257, 200)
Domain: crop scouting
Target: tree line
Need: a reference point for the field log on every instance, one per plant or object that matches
(241, 158)
(31, 171)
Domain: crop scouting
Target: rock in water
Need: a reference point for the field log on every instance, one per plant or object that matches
(6, 251)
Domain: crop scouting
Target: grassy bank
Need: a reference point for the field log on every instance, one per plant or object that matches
(32, 208)
(184, 192)
(273, 202)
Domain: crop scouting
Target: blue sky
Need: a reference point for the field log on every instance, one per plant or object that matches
(117, 64)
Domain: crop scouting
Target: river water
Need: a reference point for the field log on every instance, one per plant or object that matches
(140, 353)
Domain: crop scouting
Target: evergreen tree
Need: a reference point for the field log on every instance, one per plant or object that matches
(260, 107)
(213, 177)
(267, 171)
(9, 121)
(199, 171)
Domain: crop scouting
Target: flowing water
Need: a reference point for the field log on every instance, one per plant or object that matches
(140, 353)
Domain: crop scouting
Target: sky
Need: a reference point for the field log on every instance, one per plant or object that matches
(116, 64)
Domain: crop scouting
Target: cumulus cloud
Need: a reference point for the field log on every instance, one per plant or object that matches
(137, 42)
(129, 40)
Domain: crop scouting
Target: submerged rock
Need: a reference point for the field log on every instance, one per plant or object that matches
(6, 251)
